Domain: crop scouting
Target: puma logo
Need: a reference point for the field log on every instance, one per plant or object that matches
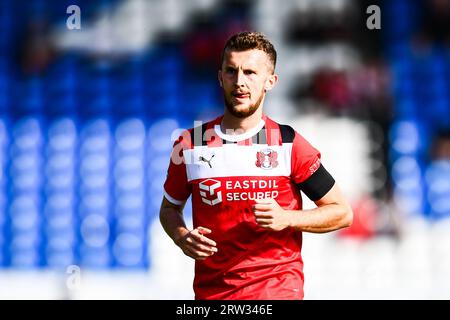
(202, 158)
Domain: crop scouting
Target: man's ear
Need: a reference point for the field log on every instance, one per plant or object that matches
(271, 82)
(219, 76)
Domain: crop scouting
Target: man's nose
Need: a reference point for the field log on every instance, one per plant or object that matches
(240, 80)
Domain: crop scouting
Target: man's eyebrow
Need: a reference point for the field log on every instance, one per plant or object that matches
(245, 69)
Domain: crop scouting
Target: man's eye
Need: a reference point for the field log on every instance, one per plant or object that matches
(231, 71)
(249, 72)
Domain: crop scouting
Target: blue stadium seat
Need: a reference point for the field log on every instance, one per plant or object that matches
(30, 95)
(406, 172)
(130, 235)
(60, 206)
(94, 191)
(397, 49)
(439, 113)
(155, 193)
(24, 204)
(406, 107)
(94, 248)
(161, 136)
(96, 93)
(5, 87)
(63, 84)
(4, 144)
(25, 237)
(409, 191)
(129, 250)
(408, 137)
(95, 258)
(438, 185)
(402, 67)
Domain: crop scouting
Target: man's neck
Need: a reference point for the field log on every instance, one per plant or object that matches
(240, 125)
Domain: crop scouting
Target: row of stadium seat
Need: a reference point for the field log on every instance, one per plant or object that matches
(80, 193)
(420, 87)
(422, 190)
(88, 93)
(421, 184)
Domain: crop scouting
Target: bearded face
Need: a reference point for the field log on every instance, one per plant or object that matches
(245, 77)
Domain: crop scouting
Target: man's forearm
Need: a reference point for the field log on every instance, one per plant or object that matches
(173, 223)
(323, 219)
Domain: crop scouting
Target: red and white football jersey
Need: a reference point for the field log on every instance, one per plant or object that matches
(224, 174)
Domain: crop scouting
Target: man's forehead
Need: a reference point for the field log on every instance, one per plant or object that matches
(247, 57)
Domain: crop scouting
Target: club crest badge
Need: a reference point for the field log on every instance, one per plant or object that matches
(266, 159)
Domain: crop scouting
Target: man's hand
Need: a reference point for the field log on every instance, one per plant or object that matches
(270, 215)
(195, 245)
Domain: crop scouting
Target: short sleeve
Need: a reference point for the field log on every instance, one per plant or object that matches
(307, 171)
(176, 187)
(305, 159)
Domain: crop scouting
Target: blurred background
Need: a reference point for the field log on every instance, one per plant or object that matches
(88, 116)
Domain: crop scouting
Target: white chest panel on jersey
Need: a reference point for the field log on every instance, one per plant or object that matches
(232, 160)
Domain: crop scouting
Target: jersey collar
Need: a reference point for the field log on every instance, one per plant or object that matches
(239, 137)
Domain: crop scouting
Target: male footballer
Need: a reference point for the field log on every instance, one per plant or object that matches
(245, 172)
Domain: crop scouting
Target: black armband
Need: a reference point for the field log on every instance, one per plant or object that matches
(318, 185)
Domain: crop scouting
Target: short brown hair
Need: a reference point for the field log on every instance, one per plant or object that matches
(249, 40)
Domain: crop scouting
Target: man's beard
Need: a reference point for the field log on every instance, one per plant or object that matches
(243, 113)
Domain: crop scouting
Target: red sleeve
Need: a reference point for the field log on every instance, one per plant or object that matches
(305, 159)
(177, 188)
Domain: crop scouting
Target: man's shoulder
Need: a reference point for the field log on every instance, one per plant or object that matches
(287, 132)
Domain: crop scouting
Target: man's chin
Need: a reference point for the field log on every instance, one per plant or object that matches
(241, 108)
(241, 111)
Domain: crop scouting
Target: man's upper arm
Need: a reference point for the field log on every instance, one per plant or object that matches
(333, 196)
(167, 204)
